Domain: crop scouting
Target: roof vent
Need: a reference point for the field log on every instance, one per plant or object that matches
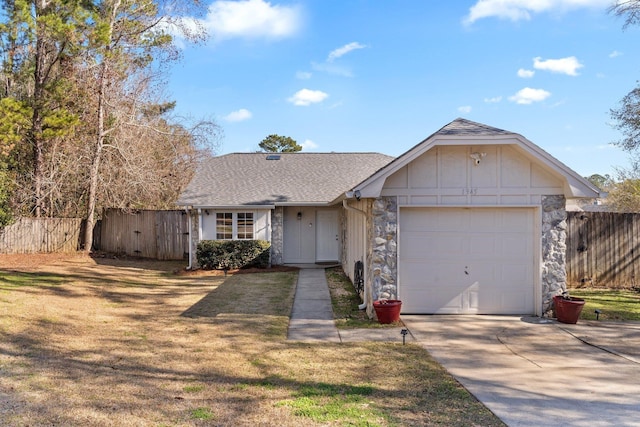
(273, 157)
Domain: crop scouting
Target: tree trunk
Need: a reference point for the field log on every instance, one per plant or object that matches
(40, 76)
(95, 163)
(100, 134)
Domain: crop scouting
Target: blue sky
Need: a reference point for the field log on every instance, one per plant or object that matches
(372, 75)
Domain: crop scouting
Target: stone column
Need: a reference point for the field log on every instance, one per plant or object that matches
(195, 229)
(277, 236)
(384, 262)
(554, 250)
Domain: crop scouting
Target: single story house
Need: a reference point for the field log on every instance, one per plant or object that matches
(469, 221)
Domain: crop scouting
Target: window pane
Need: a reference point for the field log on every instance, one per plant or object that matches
(224, 225)
(245, 225)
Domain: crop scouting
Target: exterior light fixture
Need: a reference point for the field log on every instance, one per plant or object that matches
(476, 157)
(299, 216)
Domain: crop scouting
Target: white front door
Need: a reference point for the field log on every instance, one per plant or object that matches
(299, 235)
(327, 239)
(467, 261)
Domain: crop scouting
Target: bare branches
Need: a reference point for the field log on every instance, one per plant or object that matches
(630, 9)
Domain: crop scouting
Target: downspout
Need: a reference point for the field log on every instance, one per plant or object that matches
(364, 238)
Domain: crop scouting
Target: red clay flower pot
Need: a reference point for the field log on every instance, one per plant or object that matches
(568, 310)
(387, 310)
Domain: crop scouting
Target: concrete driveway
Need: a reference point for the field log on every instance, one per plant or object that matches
(538, 372)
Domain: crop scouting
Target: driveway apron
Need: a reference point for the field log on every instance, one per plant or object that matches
(535, 372)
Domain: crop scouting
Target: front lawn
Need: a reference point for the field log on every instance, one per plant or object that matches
(614, 304)
(124, 342)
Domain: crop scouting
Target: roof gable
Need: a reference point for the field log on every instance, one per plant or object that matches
(265, 179)
(466, 132)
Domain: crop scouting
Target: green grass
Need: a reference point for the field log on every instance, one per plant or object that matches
(343, 403)
(614, 304)
(202, 414)
(195, 388)
(12, 280)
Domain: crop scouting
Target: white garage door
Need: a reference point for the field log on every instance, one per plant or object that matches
(466, 261)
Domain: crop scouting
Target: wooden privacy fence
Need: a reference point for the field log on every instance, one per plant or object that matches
(31, 235)
(603, 249)
(149, 234)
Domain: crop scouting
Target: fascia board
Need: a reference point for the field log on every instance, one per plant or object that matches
(577, 186)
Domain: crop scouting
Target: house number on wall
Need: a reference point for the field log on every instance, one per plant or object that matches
(470, 191)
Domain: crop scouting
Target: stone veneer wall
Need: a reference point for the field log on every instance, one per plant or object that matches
(277, 236)
(554, 250)
(195, 229)
(383, 252)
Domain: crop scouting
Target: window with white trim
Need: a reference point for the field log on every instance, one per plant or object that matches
(234, 225)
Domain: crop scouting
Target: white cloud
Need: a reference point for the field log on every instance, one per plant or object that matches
(529, 96)
(341, 51)
(615, 54)
(238, 116)
(251, 19)
(568, 65)
(516, 10)
(525, 74)
(306, 97)
(303, 75)
(465, 109)
(308, 145)
(493, 100)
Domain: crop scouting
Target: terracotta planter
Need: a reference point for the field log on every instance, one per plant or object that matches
(568, 310)
(388, 310)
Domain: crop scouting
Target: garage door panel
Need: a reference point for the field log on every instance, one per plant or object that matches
(421, 274)
(421, 249)
(431, 221)
(486, 221)
(466, 261)
(482, 246)
(515, 246)
(441, 299)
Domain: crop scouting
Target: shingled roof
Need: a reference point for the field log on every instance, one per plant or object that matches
(242, 179)
(466, 127)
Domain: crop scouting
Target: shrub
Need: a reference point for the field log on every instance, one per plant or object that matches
(231, 254)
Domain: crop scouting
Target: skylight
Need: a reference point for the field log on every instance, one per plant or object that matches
(273, 157)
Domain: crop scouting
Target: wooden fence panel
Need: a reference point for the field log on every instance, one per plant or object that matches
(149, 234)
(32, 235)
(603, 249)
(172, 235)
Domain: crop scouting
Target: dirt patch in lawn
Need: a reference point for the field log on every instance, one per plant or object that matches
(125, 342)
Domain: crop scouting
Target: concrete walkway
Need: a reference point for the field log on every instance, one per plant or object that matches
(312, 315)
